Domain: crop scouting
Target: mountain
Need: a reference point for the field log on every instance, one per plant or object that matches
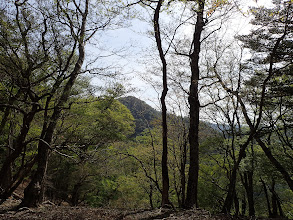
(143, 113)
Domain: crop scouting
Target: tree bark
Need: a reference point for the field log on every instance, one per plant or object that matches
(274, 202)
(150, 194)
(243, 207)
(182, 171)
(236, 204)
(248, 184)
(192, 185)
(165, 175)
(75, 194)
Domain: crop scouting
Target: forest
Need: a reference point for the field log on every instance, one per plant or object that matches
(73, 133)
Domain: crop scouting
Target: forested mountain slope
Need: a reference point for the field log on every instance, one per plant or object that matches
(143, 113)
(145, 117)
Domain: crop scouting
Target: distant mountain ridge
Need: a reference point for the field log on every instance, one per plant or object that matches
(144, 114)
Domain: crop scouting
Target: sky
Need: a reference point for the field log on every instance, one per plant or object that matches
(132, 47)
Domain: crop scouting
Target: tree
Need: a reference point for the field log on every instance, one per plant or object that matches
(266, 42)
(165, 175)
(42, 53)
(85, 132)
(162, 55)
(193, 99)
(270, 41)
(18, 62)
(190, 49)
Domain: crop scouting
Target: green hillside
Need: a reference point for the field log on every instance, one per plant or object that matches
(143, 113)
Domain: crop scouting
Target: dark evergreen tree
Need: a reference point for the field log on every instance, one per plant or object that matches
(270, 84)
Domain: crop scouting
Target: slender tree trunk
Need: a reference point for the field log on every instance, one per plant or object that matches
(243, 207)
(267, 197)
(165, 175)
(182, 172)
(247, 181)
(250, 194)
(151, 196)
(192, 185)
(280, 207)
(274, 201)
(34, 193)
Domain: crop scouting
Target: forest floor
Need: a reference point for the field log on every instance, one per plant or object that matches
(49, 211)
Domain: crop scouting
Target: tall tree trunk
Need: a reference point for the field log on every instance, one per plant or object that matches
(34, 193)
(165, 175)
(280, 207)
(192, 185)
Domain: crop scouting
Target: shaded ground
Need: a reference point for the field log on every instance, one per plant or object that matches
(49, 211)
(83, 213)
